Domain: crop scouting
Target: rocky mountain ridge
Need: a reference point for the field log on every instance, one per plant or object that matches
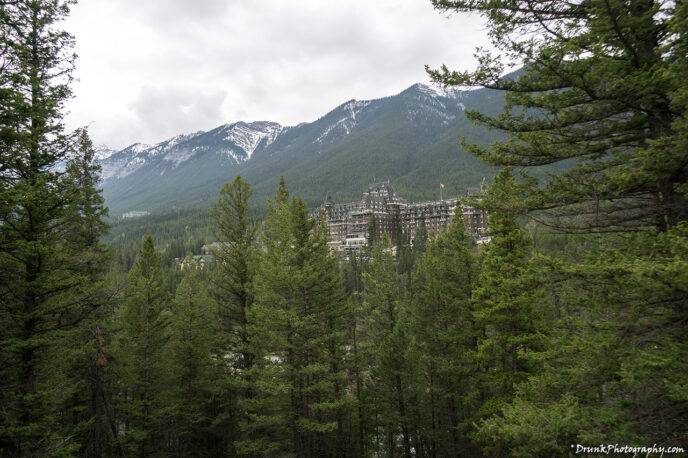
(188, 169)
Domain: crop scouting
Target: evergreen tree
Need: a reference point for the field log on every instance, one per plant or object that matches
(297, 333)
(358, 360)
(507, 302)
(602, 97)
(89, 374)
(265, 428)
(602, 101)
(39, 299)
(235, 231)
(442, 327)
(616, 326)
(373, 234)
(421, 238)
(406, 259)
(140, 355)
(387, 341)
(196, 369)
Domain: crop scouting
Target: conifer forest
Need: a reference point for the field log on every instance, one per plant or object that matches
(569, 328)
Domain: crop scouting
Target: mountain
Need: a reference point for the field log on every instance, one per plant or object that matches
(410, 138)
(103, 152)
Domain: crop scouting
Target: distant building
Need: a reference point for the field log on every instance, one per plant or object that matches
(199, 261)
(380, 211)
(135, 214)
(212, 249)
(475, 218)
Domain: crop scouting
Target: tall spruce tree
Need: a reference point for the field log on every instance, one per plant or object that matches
(601, 98)
(264, 424)
(387, 341)
(508, 303)
(601, 93)
(616, 326)
(297, 335)
(38, 278)
(442, 326)
(235, 231)
(89, 373)
(141, 357)
(420, 240)
(197, 370)
(358, 360)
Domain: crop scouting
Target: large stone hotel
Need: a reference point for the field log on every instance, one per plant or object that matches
(381, 211)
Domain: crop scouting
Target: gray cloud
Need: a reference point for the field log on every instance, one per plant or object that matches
(167, 111)
(152, 69)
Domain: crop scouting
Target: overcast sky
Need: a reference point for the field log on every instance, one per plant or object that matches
(151, 69)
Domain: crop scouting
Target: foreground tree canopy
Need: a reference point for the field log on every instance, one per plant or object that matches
(568, 327)
(602, 94)
(601, 102)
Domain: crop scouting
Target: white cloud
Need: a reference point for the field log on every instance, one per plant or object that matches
(149, 70)
(166, 111)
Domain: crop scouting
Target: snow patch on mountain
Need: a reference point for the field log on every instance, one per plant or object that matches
(430, 114)
(137, 148)
(102, 152)
(345, 124)
(237, 142)
(436, 95)
(232, 155)
(124, 162)
(169, 146)
(179, 155)
(433, 91)
(248, 136)
(175, 150)
(437, 104)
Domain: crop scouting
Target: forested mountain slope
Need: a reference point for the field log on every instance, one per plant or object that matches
(409, 138)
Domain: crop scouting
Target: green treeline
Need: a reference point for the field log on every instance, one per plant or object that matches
(516, 348)
(568, 327)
